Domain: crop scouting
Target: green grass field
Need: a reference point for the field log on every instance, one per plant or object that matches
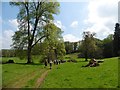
(20, 75)
(72, 75)
(66, 75)
(0, 74)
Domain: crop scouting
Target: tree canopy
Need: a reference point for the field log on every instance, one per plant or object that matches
(88, 46)
(53, 44)
(32, 18)
(116, 41)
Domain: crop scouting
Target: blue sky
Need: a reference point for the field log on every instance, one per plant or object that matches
(71, 12)
(74, 18)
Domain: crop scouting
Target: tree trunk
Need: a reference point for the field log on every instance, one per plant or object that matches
(86, 59)
(86, 55)
(29, 55)
(55, 53)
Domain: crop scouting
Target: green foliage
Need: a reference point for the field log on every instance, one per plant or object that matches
(40, 11)
(7, 52)
(116, 40)
(21, 54)
(72, 47)
(88, 46)
(32, 18)
(36, 49)
(61, 50)
(53, 45)
(108, 46)
(99, 51)
(68, 47)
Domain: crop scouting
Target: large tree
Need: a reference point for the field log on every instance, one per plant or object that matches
(88, 46)
(32, 17)
(53, 45)
(116, 41)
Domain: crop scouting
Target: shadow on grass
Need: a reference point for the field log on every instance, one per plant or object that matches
(29, 63)
(83, 61)
(24, 63)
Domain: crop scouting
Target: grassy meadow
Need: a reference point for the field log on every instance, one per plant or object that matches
(0, 75)
(73, 75)
(66, 75)
(20, 75)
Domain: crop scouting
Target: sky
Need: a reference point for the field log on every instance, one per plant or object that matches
(75, 17)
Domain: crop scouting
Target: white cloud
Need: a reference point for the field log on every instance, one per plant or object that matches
(13, 23)
(0, 20)
(74, 24)
(6, 34)
(0, 32)
(59, 24)
(0, 43)
(71, 38)
(102, 17)
(7, 38)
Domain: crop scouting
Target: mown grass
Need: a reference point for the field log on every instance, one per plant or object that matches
(0, 74)
(66, 75)
(72, 75)
(13, 73)
(19, 74)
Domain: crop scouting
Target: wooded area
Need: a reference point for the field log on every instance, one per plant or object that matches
(106, 48)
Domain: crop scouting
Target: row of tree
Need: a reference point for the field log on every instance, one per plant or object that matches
(72, 47)
(7, 53)
(108, 47)
(91, 47)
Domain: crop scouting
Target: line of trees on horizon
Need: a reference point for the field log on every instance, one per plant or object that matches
(89, 47)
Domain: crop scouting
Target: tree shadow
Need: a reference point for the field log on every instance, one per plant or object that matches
(29, 63)
(83, 61)
(25, 63)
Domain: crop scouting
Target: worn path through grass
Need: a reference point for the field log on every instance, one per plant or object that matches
(41, 79)
(21, 76)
